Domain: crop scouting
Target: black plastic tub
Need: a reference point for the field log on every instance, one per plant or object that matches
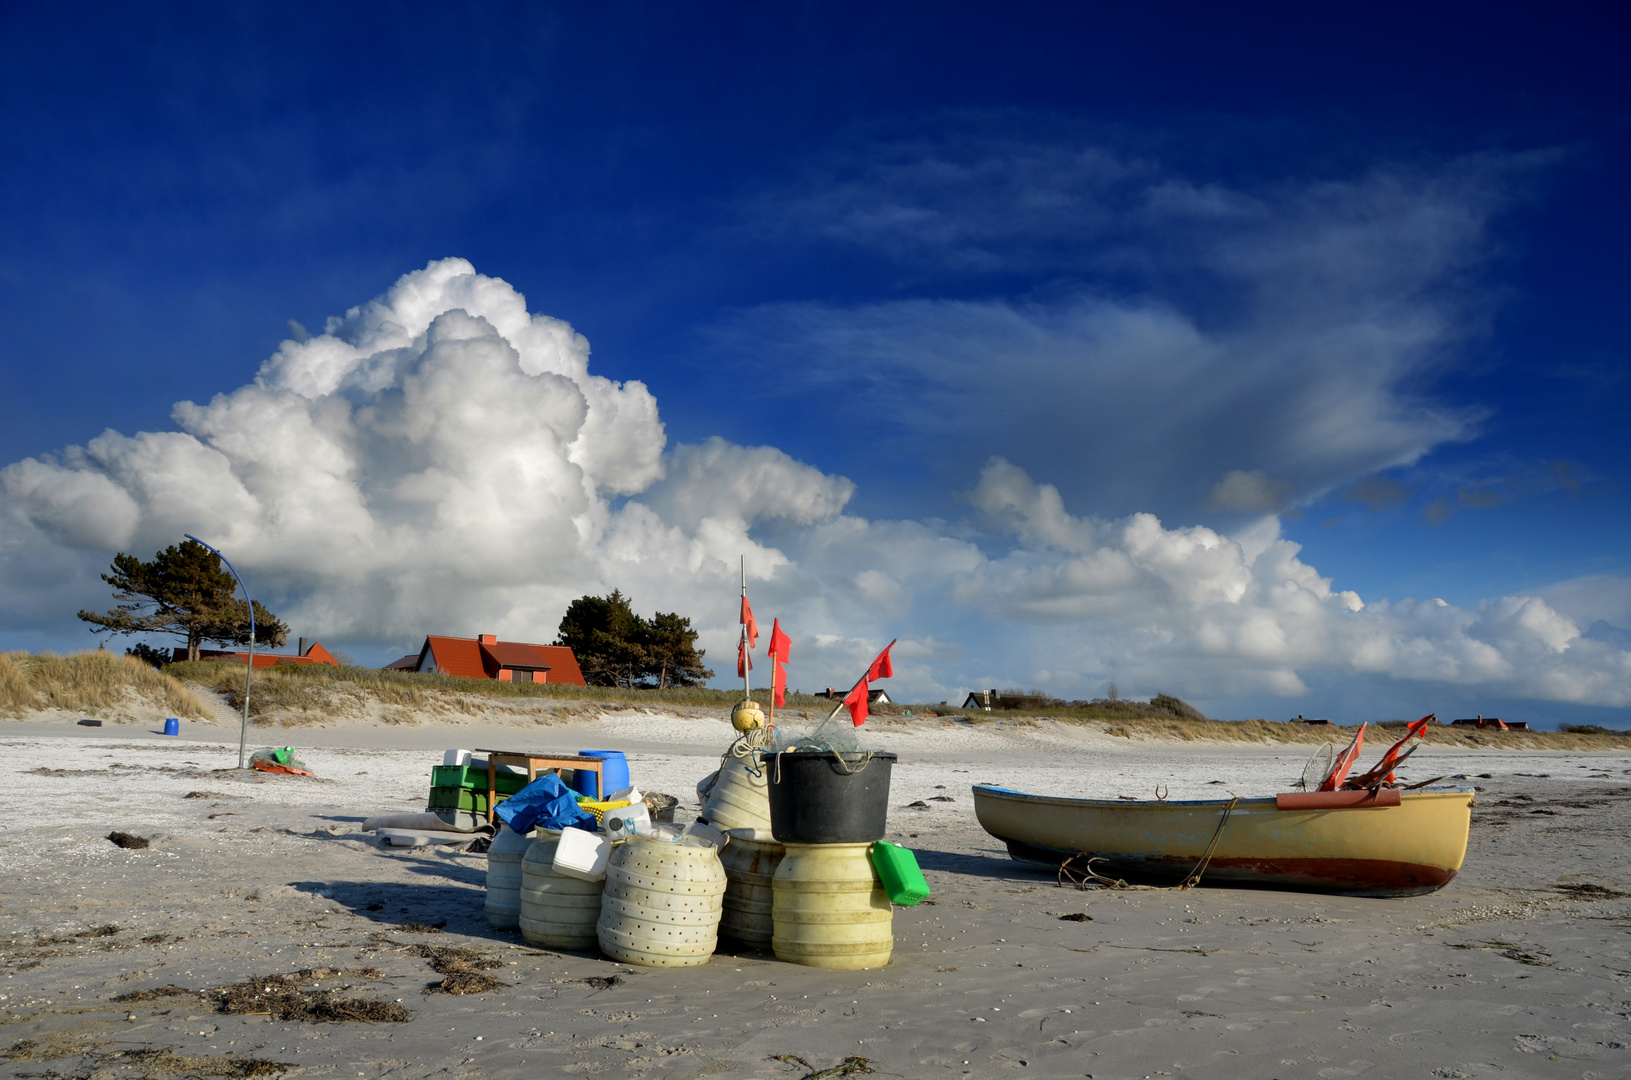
(819, 797)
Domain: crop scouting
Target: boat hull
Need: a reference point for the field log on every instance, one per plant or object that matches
(1413, 848)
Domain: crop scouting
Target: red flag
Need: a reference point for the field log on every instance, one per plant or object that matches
(856, 699)
(747, 621)
(744, 660)
(780, 644)
(1344, 762)
(1382, 772)
(881, 667)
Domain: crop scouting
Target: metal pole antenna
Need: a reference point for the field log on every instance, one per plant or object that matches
(747, 661)
(243, 726)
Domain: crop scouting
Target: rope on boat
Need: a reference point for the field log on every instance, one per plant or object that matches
(1081, 877)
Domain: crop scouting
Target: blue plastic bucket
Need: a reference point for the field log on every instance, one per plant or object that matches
(614, 773)
(172, 726)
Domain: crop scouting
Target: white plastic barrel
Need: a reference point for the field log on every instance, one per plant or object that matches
(504, 878)
(829, 909)
(662, 903)
(740, 798)
(557, 911)
(750, 861)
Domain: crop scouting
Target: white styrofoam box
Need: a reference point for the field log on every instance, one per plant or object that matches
(455, 757)
(582, 854)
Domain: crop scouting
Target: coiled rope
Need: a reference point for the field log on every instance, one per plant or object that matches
(1084, 875)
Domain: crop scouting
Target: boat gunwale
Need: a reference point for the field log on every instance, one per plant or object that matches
(1241, 803)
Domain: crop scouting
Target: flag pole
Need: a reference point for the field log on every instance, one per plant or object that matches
(747, 661)
(839, 707)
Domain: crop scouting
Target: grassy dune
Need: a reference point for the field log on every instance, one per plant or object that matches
(92, 683)
(100, 683)
(297, 694)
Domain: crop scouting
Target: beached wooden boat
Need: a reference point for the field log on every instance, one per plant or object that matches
(1357, 843)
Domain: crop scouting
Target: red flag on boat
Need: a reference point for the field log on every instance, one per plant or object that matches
(780, 643)
(1344, 761)
(1382, 772)
(856, 699)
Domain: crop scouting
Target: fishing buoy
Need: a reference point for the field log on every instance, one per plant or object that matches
(747, 716)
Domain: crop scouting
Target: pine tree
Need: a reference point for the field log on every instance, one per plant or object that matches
(183, 592)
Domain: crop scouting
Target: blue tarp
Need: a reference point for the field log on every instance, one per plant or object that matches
(546, 803)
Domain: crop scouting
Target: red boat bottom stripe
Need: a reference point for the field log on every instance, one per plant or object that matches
(1350, 877)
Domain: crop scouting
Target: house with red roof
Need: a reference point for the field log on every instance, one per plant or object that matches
(486, 657)
(316, 654)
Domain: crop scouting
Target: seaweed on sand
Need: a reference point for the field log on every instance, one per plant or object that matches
(295, 995)
(139, 1063)
(461, 969)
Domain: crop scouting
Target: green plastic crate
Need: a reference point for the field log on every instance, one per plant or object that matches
(463, 776)
(454, 798)
(898, 870)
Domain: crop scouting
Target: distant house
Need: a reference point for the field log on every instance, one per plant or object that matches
(486, 657)
(314, 655)
(1492, 722)
(873, 697)
(981, 699)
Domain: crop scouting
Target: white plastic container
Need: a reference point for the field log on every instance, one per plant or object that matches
(628, 794)
(634, 819)
(705, 833)
(456, 757)
(582, 854)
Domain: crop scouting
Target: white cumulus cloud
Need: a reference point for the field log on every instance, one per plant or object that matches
(442, 460)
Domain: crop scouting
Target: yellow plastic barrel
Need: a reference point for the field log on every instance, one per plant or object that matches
(662, 903)
(504, 878)
(557, 911)
(829, 909)
(750, 860)
(740, 798)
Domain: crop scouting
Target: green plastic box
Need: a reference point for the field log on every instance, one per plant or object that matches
(463, 776)
(898, 870)
(456, 798)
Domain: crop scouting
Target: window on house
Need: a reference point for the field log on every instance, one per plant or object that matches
(518, 675)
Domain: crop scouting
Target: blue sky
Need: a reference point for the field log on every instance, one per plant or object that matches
(1356, 274)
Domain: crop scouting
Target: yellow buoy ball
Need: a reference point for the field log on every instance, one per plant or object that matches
(747, 716)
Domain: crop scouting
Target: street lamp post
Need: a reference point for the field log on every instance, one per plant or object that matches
(243, 726)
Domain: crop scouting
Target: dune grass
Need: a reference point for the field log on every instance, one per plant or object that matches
(294, 694)
(293, 691)
(92, 683)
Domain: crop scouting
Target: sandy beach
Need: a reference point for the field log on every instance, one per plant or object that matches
(1518, 968)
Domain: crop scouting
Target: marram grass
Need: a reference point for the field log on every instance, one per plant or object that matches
(91, 683)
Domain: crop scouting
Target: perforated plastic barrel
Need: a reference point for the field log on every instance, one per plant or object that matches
(504, 878)
(740, 797)
(662, 903)
(829, 910)
(750, 861)
(557, 911)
